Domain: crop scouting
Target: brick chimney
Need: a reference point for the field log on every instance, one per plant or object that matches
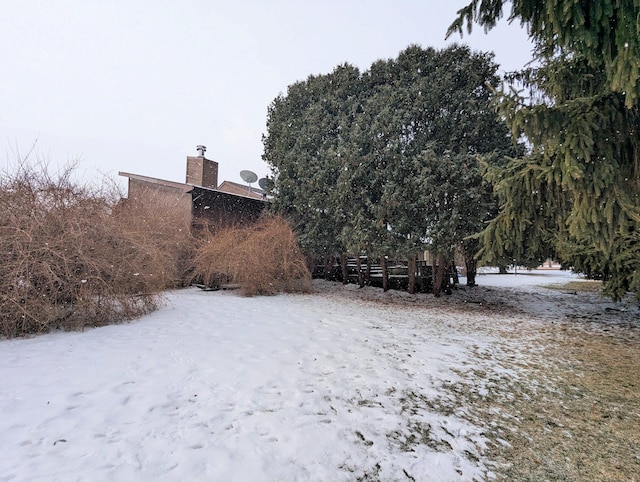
(202, 171)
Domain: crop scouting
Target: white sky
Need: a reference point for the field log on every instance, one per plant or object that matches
(135, 85)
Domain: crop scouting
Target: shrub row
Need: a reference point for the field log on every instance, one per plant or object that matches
(76, 256)
(262, 259)
(68, 261)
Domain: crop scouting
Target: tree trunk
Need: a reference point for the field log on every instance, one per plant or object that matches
(343, 262)
(385, 274)
(434, 273)
(446, 282)
(360, 273)
(502, 269)
(327, 266)
(471, 265)
(454, 274)
(368, 275)
(411, 272)
(440, 273)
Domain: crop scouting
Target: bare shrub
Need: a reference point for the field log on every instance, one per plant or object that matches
(161, 224)
(67, 261)
(263, 259)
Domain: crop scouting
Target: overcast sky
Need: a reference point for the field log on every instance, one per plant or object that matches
(135, 85)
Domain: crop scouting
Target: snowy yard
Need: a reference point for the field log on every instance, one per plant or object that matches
(342, 384)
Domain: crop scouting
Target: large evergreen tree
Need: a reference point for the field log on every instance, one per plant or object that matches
(387, 162)
(438, 122)
(303, 146)
(577, 193)
(605, 33)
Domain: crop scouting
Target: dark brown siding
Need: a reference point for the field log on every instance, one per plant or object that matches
(221, 210)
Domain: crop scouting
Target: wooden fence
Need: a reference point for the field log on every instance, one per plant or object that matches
(372, 274)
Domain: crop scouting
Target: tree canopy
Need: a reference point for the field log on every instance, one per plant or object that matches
(605, 33)
(388, 161)
(576, 194)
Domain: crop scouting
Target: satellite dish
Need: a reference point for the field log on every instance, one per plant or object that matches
(265, 184)
(248, 176)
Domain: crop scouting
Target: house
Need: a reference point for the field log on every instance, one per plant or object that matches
(199, 200)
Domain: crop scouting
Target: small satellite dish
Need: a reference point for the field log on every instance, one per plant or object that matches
(248, 176)
(265, 184)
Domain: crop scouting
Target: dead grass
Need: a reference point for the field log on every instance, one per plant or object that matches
(558, 394)
(579, 286)
(576, 416)
(263, 259)
(573, 411)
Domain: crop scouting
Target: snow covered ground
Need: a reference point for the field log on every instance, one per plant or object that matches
(219, 387)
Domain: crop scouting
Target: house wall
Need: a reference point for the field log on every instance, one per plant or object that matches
(221, 210)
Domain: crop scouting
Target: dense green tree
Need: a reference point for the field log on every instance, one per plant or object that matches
(303, 146)
(577, 193)
(438, 120)
(387, 162)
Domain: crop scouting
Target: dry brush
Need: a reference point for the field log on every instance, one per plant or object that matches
(262, 259)
(71, 259)
(76, 255)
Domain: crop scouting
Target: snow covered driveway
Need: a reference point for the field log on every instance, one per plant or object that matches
(219, 387)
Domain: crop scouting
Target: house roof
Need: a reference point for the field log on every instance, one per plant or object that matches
(242, 190)
(153, 180)
(230, 188)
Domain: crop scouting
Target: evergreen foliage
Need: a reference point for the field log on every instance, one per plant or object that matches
(605, 33)
(577, 193)
(387, 161)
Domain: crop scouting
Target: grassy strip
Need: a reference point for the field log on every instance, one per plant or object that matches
(581, 286)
